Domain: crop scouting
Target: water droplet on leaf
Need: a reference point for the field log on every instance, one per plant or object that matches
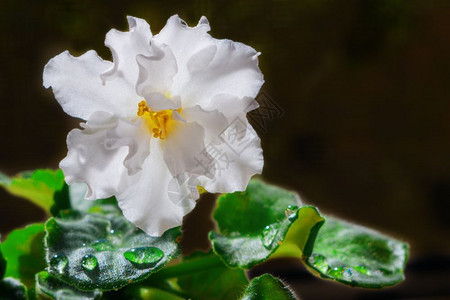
(144, 255)
(343, 273)
(321, 263)
(268, 235)
(89, 262)
(59, 262)
(347, 274)
(336, 272)
(291, 212)
(102, 245)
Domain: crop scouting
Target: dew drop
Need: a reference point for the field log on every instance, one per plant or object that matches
(321, 263)
(59, 262)
(343, 273)
(291, 212)
(102, 245)
(89, 262)
(347, 274)
(336, 272)
(268, 235)
(144, 255)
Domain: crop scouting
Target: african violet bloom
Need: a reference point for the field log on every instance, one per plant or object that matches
(166, 116)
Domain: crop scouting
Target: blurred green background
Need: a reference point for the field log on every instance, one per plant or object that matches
(364, 85)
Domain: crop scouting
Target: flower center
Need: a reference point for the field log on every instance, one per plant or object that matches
(160, 123)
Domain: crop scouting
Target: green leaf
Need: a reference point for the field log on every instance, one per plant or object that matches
(253, 224)
(47, 189)
(4, 179)
(267, 287)
(217, 282)
(76, 193)
(23, 251)
(61, 200)
(12, 289)
(38, 187)
(2, 263)
(140, 292)
(357, 256)
(107, 252)
(149, 293)
(49, 285)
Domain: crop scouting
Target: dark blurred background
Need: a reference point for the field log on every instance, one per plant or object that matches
(364, 87)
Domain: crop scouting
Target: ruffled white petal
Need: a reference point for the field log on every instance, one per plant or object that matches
(184, 41)
(103, 154)
(208, 66)
(237, 158)
(156, 70)
(90, 162)
(233, 70)
(134, 136)
(147, 204)
(231, 106)
(183, 146)
(125, 47)
(78, 88)
(157, 101)
(213, 121)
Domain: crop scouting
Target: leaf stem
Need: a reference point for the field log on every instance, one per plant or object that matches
(186, 268)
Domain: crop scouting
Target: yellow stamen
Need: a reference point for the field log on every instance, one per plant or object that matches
(159, 123)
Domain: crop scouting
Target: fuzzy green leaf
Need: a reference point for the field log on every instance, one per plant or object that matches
(38, 186)
(76, 193)
(267, 287)
(23, 251)
(12, 289)
(218, 282)
(49, 285)
(95, 251)
(253, 224)
(61, 200)
(357, 256)
(141, 292)
(2, 263)
(4, 179)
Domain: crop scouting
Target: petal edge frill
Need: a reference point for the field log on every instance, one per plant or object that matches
(65, 74)
(233, 70)
(209, 66)
(125, 47)
(156, 70)
(88, 160)
(104, 154)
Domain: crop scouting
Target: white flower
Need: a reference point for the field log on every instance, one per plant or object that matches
(160, 119)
